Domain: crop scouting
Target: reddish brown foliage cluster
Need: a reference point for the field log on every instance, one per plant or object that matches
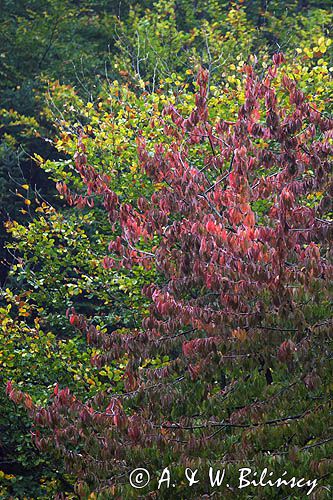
(233, 281)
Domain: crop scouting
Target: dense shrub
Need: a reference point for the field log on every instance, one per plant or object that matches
(240, 309)
(113, 72)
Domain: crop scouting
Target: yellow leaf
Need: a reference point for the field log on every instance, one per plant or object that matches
(39, 158)
(25, 186)
(239, 334)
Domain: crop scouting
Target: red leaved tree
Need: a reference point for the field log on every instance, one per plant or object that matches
(240, 305)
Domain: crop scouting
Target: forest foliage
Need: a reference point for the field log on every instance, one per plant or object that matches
(166, 192)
